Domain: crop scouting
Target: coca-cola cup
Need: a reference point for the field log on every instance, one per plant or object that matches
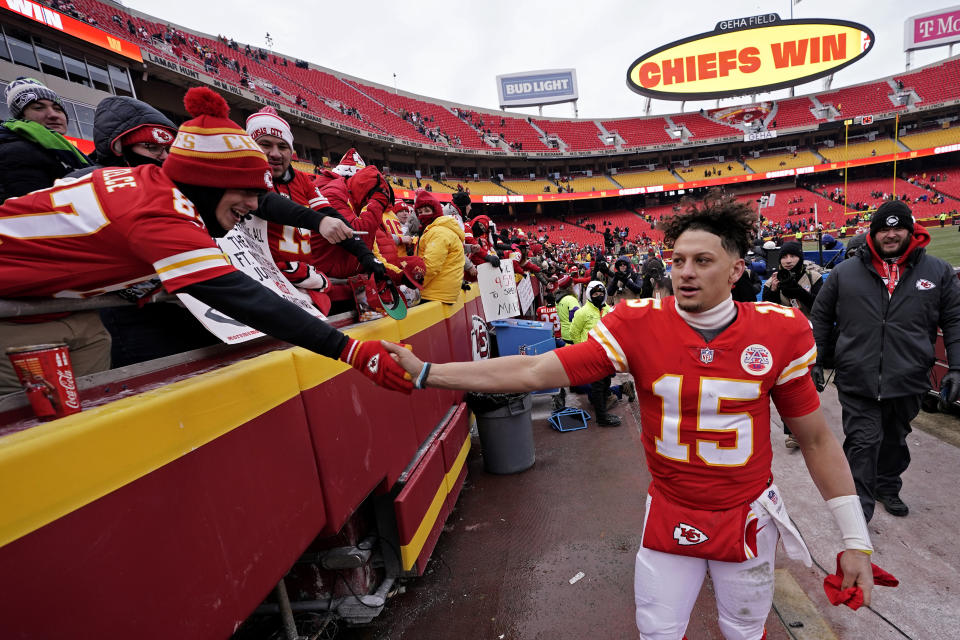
(47, 378)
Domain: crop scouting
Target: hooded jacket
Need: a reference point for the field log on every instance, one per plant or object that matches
(441, 247)
(587, 316)
(883, 345)
(116, 116)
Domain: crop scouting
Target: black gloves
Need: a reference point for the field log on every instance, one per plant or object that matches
(492, 259)
(465, 285)
(950, 387)
(816, 372)
(373, 266)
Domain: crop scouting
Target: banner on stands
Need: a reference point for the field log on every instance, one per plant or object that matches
(246, 246)
(498, 291)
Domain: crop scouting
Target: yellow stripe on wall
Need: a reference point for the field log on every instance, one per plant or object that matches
(52, 469)
(411, 551)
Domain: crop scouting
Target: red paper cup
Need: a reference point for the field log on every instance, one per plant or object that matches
(47, 378)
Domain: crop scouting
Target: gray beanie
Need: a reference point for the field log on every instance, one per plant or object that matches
(23, 91)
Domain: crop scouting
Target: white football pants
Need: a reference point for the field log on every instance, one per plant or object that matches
(666, 587)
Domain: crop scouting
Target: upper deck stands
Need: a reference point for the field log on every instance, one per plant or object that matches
(582, 135)
(861, 100)
(702, 127)
(640, 132)
(795, 112)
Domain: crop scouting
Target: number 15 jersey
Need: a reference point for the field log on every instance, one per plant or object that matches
(705, 406)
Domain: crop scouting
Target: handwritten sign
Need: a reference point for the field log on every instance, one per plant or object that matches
(525, 293)
(498, 291)
(246, 246)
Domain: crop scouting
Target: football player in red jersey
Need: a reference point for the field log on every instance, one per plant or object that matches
(120, 226)
(705, 386)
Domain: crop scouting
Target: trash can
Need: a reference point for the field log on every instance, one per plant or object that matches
(506, 431)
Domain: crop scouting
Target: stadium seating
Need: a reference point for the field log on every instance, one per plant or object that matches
(864, 99)
(948, 181)
(530, 187)
(780, 161)
(795, 112)
(843, 152)
(578, 136)
(640, 132)
(377, 110)
(645, 178)
(934, 84)
(932, 138)
(594, 183)
(481, 187)
(701, 127)
(795, 204)
(859, 191)
(712, 170)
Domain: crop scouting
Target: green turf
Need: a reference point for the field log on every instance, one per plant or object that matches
(944, 243)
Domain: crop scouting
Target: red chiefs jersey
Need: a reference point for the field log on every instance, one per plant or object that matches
(110, 229)
(290, 244)
(549, 314)
(705, 407)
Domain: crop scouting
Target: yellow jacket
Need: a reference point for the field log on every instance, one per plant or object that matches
(441, 247)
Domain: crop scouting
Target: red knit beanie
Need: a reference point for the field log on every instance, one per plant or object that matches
(213, 151)
(151, 133)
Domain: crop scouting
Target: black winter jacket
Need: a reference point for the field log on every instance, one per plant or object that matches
(883, 345)
(26, 166)
(114, 117)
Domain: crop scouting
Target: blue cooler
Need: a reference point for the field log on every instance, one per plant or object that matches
(525, 338)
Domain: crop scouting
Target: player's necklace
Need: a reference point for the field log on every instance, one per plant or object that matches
(720, 316)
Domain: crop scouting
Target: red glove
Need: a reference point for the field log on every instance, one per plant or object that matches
(372, 360)
(853, 596)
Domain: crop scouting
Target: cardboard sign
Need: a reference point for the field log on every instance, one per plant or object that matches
(498, 291)
(246, 246)
(525, 293)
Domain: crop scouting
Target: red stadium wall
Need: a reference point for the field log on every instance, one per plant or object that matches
(172, 512)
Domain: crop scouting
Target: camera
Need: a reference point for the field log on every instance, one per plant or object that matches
(785, 276)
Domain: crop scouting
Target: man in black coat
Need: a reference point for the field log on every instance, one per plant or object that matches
(33, 151)
(887, 303)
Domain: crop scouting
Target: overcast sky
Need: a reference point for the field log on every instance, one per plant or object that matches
(453, 50)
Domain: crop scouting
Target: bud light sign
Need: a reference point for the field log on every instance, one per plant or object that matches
(537, 87)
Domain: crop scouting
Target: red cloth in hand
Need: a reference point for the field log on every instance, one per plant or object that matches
(372, 360)
(853, 596)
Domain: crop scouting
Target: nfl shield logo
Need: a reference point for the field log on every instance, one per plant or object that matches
(706, 355)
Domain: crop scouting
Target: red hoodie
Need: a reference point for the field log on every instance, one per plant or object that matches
(890, 270)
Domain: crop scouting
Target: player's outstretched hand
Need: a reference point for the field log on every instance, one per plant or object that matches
(371, 358)
(857, 572)
(404, 357)
(334, 230)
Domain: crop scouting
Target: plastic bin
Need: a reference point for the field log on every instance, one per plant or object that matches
(514, 337)
(506, 431)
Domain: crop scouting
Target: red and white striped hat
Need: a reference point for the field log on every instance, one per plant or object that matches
(213, 151)
(267, 122)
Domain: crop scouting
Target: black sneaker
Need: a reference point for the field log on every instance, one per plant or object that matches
(894, 505)
(608, 420)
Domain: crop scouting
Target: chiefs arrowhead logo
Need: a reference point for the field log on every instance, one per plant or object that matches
(923, 284)
(374, 364)
(686, 534)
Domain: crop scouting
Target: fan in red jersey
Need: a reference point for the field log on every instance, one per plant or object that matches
(706, 368)
(119, 226)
